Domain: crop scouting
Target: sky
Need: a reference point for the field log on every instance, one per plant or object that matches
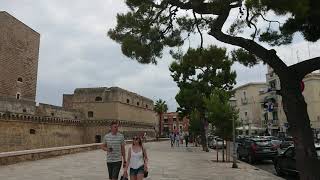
(75, 51)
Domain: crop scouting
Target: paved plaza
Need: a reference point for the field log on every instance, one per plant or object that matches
(166, 163)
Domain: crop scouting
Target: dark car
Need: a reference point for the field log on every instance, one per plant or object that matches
(285, 163)
(253, 149)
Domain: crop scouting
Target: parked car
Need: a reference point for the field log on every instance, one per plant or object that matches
(285, 163)
(253, 149)
(216, 142)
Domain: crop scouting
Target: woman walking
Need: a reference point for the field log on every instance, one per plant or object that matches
(137, 160)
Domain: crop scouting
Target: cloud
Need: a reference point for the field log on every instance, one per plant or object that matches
(76, 52)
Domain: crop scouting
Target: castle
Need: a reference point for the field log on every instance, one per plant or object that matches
(84, 116)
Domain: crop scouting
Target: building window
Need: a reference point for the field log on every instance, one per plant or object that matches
(75, 117)
(18, 96)
(52, 114)
(246, 113)
(165, 120)
(244, 95)
(128, 101)
(138, 103)
(275, 115)
(32, 131)
(147, 106)
(98, 98)
(174, 119)
(24, 110)
(90, 114)
(19, 79)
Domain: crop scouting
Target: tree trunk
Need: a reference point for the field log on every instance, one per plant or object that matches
(203, 136)
(223, 150)
(295, 108)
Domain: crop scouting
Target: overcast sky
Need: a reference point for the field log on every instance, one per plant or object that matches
(75, 51)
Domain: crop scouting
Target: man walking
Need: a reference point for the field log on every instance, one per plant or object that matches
(114, 145)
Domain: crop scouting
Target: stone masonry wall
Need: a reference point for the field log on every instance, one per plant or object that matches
(19, 50)
(17, 135)
(57, 111)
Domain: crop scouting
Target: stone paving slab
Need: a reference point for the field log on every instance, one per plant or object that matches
(166, 163)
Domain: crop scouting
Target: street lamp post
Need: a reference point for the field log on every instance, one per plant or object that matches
(234, 163)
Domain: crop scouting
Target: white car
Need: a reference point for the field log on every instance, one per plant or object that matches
(215, 143)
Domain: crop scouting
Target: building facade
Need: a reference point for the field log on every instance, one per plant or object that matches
(247, 101)
(171, 122)
(274, 117)
(260, 107)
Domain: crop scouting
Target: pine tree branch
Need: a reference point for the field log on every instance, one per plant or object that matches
(305, 67)
(268, 56)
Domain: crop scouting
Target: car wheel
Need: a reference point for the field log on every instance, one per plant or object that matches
(278, 169)
(250, 159)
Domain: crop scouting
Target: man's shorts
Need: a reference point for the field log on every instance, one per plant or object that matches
(114, 169)
(134, 172)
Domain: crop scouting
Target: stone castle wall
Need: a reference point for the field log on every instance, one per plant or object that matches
(19, 49)
(58, 112)
(11, 104)
(23, 132)
(111, 103)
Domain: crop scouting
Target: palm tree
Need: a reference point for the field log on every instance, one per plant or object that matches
(160, 107)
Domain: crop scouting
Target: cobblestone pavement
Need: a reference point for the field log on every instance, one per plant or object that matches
(166, 163)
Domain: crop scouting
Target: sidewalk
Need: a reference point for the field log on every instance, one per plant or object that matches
(166, 163)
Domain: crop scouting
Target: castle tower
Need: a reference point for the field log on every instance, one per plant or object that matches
(19, 51)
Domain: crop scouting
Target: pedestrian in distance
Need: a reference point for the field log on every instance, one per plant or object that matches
(177, 139)
(172, 138)
(114, 145)
(137, 161)
(186, 138)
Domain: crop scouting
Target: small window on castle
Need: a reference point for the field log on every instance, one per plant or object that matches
(24, 110)
(76, 117)
(90, 114)
(52, 114)
(138, 103)
(147, 106)
(128, 101)
(32, 131)
(18, 96)
(19, 79)
(98, 98)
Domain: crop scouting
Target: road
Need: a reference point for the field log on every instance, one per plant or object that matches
(267, 165)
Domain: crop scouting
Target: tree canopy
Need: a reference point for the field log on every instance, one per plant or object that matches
(152, 25)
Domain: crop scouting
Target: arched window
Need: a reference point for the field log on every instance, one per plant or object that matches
(19, 79)
(138, 103)
(18, 95)
(90, 114)
(147, 106)
(98, 98)
(128, 101)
